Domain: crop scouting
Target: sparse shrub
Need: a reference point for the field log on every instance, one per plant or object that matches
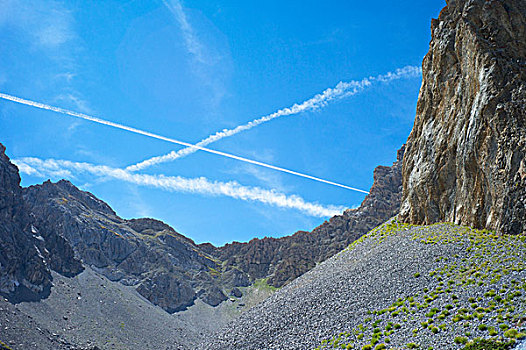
(488, 344)
(492, 331)
(461, 340)
(4, 345)
(490, 293)
(511, 333)
(457, 318)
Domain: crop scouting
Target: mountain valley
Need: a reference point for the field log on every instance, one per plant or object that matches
(433, 258)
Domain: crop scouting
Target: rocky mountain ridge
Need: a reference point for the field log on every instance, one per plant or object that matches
(164, 266)
(26, 257)
(403, 285)
(63, 229)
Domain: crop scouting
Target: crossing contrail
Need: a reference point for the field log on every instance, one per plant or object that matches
(341, 90)
(168, 139)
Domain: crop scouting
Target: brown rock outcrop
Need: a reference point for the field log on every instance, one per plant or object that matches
(465, 158)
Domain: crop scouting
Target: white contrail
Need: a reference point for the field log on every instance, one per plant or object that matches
(341, 90)
(167, 139)
(201, 185)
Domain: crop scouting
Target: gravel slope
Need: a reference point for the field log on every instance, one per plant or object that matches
(90, 310)
(395, 275)
(20, 331)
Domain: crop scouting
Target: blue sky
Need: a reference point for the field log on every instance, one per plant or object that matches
(187, 70)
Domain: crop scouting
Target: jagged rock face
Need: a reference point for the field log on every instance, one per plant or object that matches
(465, 158)
(28, 251)
(145, 253)
(24, 274)
(164, 266)
(282, 260)
(81, 219)
(56, 226)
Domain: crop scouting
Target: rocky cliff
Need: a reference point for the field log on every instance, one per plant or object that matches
(165, 267)
(282, 260)
(26, 254)
(465, 158)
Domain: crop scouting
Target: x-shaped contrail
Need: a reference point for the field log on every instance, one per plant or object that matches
(167, 139)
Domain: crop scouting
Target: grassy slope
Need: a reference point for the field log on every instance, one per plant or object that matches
(475, 293)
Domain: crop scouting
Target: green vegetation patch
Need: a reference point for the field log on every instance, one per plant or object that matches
(263, 285)
(488, 344)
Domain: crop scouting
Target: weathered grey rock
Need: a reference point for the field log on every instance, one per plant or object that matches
(167, 291)
(235, 292)
(212, 295)
(146, 253)
(26, 253)
(169, 269)
(81, 219)
(465, 159)
(235, 277)
(56, 226)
